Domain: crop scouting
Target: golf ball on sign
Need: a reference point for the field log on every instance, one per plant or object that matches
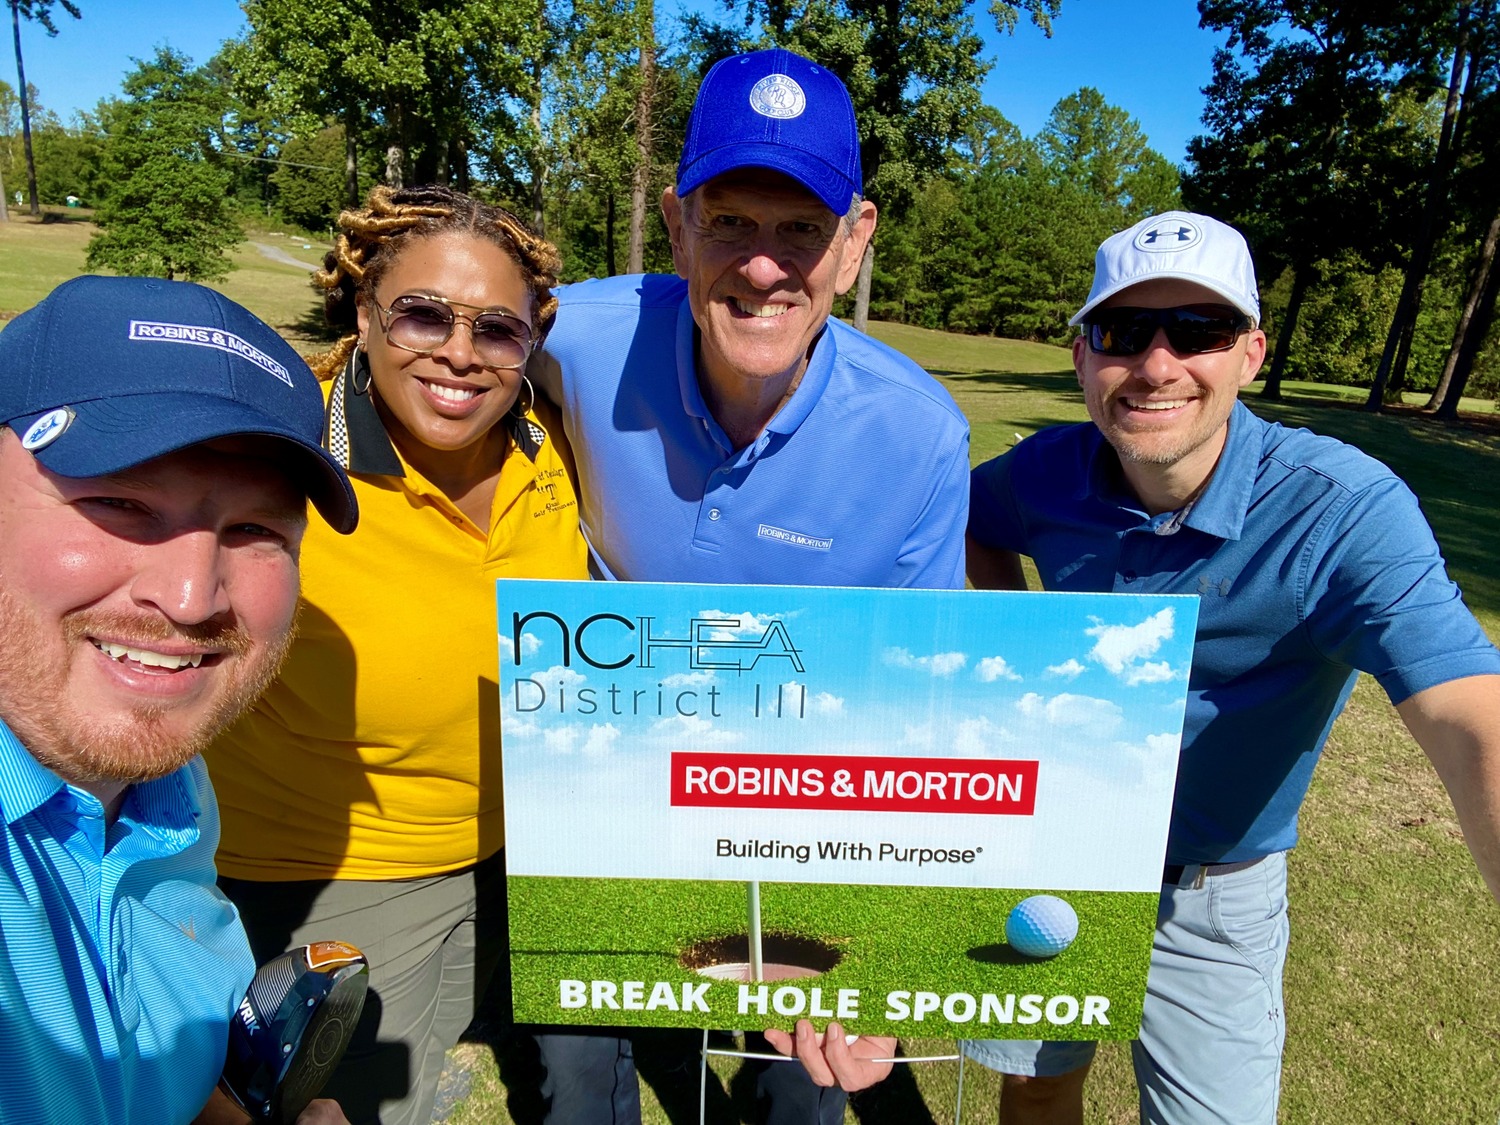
(1041, 926)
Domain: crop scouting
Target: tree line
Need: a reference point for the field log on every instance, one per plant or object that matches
(1355, 143)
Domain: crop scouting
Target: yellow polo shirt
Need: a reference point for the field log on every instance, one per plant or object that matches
(376, 753)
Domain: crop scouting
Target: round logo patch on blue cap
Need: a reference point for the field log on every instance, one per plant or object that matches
(47, 429)
(779, 96)
(1168, 235)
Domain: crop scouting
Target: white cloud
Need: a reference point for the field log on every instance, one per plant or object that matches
(978, 738)
(919, 736)
(1119, 646)
(693, 732)
(826, 704)
(601, 740)
(689, 679)
(1156, 672)
(1069, 669)
(593, 741)
(938, 664)
(747, 624)
(1098, 716)
(993, 668)
(518, 728)
(531, 644)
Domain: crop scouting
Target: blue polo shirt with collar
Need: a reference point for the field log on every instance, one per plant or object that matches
(1312, 562)
(120, 961)
(859, 480)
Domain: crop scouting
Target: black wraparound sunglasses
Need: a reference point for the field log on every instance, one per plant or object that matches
(1190, 329)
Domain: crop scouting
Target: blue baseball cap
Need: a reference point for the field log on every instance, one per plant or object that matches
(774, 109)
(110, 372)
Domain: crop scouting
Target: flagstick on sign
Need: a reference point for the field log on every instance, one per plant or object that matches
(757, 968)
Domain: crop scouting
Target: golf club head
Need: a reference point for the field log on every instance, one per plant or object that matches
(292, 1027)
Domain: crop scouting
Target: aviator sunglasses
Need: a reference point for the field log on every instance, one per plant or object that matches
(423, 324)
(1190, 329)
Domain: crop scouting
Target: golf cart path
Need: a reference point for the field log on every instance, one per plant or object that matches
(277, 254)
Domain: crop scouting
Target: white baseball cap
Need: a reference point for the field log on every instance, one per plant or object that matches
(1179, 245)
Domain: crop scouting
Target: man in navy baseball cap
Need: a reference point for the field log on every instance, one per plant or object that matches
(730, 430)
(158, 447)
(108, 372)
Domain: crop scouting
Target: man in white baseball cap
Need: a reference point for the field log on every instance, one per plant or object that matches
(1312, 562)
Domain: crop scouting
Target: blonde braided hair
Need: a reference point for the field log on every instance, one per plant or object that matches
(370, 239)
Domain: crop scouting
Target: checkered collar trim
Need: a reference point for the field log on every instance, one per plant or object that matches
(354, 433)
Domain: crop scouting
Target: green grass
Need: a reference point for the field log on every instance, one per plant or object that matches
(941, 940)
(1390, 985)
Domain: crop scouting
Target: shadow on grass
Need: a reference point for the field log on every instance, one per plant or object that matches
(999, 953)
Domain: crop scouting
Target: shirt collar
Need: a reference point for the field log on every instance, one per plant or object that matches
(1220, 509)
(356, 436)
(25, 784)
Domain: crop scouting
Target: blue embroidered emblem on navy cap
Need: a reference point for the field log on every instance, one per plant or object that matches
(779, 96)
(47, 429)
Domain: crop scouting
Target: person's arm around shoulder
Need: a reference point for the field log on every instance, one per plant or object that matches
(1457, 724)
(993, 519)
(993, 568)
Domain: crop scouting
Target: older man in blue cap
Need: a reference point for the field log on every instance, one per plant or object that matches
(727, 429)
(158, 446)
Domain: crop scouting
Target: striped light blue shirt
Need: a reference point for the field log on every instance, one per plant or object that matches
(120, 961)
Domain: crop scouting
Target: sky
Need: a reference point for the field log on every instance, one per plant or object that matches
(1147, 56)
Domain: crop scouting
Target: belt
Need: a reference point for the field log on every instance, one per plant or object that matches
(1171, 874)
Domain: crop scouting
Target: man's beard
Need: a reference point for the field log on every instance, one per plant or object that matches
(139, 744)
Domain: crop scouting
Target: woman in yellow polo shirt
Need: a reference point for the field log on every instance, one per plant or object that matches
(361, 797)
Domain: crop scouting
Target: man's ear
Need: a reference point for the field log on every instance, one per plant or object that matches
(671, 213)
(852, 253)
(1255, 355)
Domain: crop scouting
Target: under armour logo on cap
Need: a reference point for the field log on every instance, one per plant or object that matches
(1178, 234)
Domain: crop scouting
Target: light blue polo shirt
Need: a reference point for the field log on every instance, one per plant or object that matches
(859, 480)
(1311, 561)
(120, 961)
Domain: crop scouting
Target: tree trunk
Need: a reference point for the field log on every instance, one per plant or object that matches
(1300, 282)
(4, 212)
(645, 125)
(1479, 328)
(1397, 386)
(1471, 305)
(1421, 251)
(458, 149)
(538, 159)
(393, 159)
(15, 20)
(609, 235)
(862, 287)
(351, 161)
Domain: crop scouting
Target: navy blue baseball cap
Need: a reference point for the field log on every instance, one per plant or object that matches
(109, 372)
(774, 109)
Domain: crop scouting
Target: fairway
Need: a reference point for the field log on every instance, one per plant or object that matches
(1390, 982)
(891, 942)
